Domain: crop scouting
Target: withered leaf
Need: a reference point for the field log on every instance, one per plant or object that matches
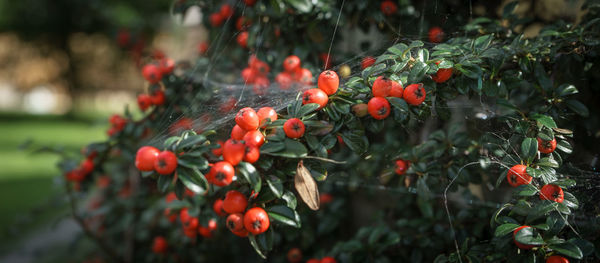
(307, 187)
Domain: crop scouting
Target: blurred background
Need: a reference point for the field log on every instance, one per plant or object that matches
(66, 65)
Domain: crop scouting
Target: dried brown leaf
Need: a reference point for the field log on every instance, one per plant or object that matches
(307, 187)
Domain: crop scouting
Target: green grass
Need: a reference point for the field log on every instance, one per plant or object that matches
(26, 177)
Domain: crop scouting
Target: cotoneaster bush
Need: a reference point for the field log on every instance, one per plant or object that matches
(462, 149)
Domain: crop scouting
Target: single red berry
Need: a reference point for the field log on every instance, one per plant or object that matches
(86, 166)
(256, 220)
(221, 173)
(216, 19)
(242, 39)
(436, 34)
(202, 48)
(261, 85)
(367, 62)
(379, 108)
(166, 66)
(249, 2)
(317, 96)
(284, 80)
(204, 232)
(521, 245)
(414, 94)
(327, 60)
(291, 63)
(556, 259)
(165, 163)
(254, 138)
(184, 216)
(237, 133)
(303, 76)
(212, 224)
(442, 75)
(552, 192)
(249, 75)
(247, 119)
(159, 246)
(517, 175)
(218, 151)
(235, 222)
(328, 82)
(294, 128)
(145, 157)
(144, 101)
(158, 97)
(328, 260)
(218, 207)
(381, 87)
(233, 151)
(235, 202)
(259, 66)
(242, 23)
(265, 113)
(226, 11)
(252, 154)
(397, 90)
(312, 260)
(401, 166)
(123, 38)
(152, 73)
(241, 233)
(325, 198)
(388, 7)
(294, 255)
(546, 146)
(117, 121)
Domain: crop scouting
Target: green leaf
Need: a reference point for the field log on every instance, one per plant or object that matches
(398, 49)
(193, 180)
(290, 199)
(170, 141)
(293, 149)
(544, 120)
(578, 107)
(163, 182)
(306, 109)
(527, 236)
(256, 247)
(505, 229)
(398, 103)
(190, 141)
(540, 210)
(586, 247)
(529, 148)
(567, 249)
(469, 69)
(417, 72)
(566, 90)
(275, 185)
(547, 162)
(251, 175)
(526, 190)
(571, 201)
(285, 215)
(565, 183)
(564, 146)
(272, 147)
(179, 190)
(483, 42)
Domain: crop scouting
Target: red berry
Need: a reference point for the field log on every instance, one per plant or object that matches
(546, 146)
(221, 173)
(249, 2)
(517, 175)
(414, 94)
(165, 163)
(249, 75)
(237, 133)
(327, 60)
(328, 260)
(226, 11)
(265, 113)
(242, 23)
(145, 157)
(235, 202)
(388, 7)
(144, 101)
(247, 119)
(312, 260)
(233, 151)
(261, 86)
(520, 245)
(294, 255)
(166, 66)
(367, 62)
(325, 198)
(317, 96)
(556, 259)
(381, 87)
(152, 73)
(328, 82)
(436, 34)
(184, 216)
(218, 207)
(291, 63)
(256, 220)
(205, 232)
(241, 233)
(202, 48)
(254, 138)
(252, 154)
(303, 76)
(442, 75)
(242, 39)
(86, 166)
(379, 108)
(294, 128)
(158, 97)
(284, 80)
(401, 166)
(218, 151)
(553, 193)
(159, 246)
(235, 222)
(397, 90)
(259, 66)
(216, 19)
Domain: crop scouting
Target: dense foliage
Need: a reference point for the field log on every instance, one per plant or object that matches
(467, 150)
